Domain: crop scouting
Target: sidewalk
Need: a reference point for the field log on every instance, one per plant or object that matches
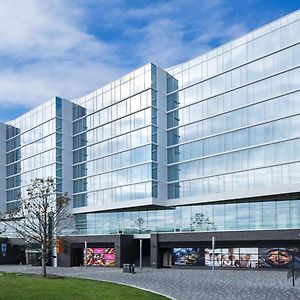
(185, 284)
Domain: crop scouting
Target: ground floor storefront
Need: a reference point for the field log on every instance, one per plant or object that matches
(12, 251)
(102, 250)
(276, 249)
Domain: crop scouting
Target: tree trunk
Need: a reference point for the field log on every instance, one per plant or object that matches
(27, 258)
(44, 263)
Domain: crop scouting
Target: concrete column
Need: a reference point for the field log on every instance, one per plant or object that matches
(154, 251)
(117, 245)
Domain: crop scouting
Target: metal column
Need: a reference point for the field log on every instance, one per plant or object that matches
(213, 253)
(141, 254)
(85, 253)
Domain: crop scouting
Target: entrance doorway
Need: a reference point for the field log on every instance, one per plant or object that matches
(167, 258)
(77, 257)
(33, 258)
(145, 252)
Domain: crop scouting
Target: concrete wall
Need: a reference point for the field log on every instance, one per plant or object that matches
(154, 251)
(263, 235)
(162, 135)
(67, 156)
(67, 131)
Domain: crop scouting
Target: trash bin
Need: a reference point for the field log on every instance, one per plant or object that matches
(126, 268)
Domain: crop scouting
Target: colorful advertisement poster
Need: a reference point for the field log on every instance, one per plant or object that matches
(279, 257)
(98, 250)
(104, 257)
(188, 256)
(209, 258)
(232, 257)
(250, 257)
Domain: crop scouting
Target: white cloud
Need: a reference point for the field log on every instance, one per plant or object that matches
(175, 31)
(46, 48)
(43, 30)
(162, 42)
(44, 52)
(40, 82)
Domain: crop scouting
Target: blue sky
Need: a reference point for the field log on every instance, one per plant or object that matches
(69, 48)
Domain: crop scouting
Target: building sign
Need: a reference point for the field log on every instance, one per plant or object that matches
(104, 257)
(3, 249)
(59, 246)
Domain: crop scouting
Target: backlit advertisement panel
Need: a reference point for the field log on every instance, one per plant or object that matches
(104, 257)
(188, 256)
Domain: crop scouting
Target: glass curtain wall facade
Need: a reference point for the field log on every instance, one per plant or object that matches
(232, 132)
(247, 215)
(212, 144)
(115, 141)
(33, 150)
(233, 115)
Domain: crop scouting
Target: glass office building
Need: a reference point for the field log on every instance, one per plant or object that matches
(210, 147)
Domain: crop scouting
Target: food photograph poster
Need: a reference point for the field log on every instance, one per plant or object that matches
(104, 257)
(251, 257)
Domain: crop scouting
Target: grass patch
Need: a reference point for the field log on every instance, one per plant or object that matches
(31, 287)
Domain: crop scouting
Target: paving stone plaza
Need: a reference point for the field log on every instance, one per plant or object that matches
(184, 284)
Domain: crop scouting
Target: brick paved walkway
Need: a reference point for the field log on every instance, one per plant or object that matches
(185, 284)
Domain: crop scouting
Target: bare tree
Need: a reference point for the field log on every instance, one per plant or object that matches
(2, 230)
(201, 223)
(41, 217)
(139, 225)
